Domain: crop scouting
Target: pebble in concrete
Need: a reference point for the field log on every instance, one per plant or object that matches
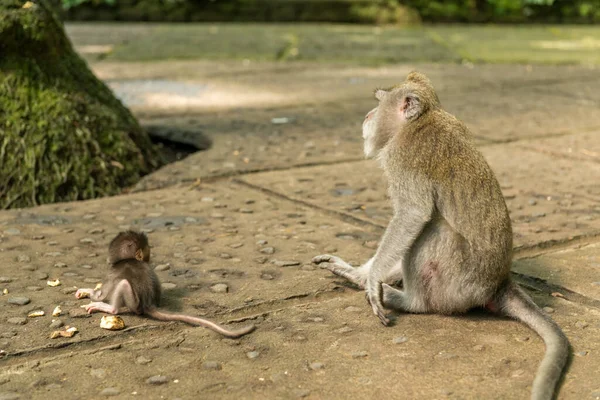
(57, 323)
(157, 380)
(301, 393)
(42, 276)
(316, 366)
(285, 263)
(141, 360)
(211, 365)
(109, 392)
(17, 320)
(267, 250)
(252, 354)
(359, 354)
(267, 276)
(20, 301)
(219, 288)
(400, 340)
(162, 267)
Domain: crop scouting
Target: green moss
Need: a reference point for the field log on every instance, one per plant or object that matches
(63, 134)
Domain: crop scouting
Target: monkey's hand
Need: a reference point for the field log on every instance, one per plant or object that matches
(375, 298)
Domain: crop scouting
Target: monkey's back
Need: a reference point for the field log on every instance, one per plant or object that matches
(438, 152)
(142, 279)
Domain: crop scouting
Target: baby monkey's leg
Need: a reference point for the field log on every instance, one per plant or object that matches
(122, 295)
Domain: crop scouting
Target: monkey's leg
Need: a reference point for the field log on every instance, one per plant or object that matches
(358, 276)
(401, 233)
(122, 295)
(401, 300)
(100, 306)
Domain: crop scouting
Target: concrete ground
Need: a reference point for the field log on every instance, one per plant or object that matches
(284, 181)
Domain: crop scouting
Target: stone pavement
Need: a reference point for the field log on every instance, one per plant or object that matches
(233, 230)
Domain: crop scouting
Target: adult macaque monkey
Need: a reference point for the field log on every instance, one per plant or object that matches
(133, 284)
(450, 239)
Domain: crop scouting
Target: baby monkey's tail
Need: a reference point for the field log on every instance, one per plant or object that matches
(514, 302)
(164, 316)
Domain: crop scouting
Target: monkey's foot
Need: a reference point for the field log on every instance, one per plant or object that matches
(100, 306)
(341, 268)
(83, 293)
(374, 298)
(393, 298)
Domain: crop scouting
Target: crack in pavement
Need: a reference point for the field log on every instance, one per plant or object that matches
(338, 214)
(541, 285)
(522, 252)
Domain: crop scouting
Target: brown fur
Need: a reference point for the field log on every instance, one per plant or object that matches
(132, 283)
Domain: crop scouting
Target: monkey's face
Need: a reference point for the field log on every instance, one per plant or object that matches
(368, 132)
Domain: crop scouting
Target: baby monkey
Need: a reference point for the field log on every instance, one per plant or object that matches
(133, 284)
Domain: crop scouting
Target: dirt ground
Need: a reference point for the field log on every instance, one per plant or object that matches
(233, 230)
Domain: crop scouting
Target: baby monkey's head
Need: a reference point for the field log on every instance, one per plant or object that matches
(129, 245)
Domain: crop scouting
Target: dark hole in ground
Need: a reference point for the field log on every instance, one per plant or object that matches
(173, 151)
(176, 143)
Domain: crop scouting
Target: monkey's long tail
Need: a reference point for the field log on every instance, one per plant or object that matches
(512, 301)
(163, 316)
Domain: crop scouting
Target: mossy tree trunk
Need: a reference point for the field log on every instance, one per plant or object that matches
(63, 134)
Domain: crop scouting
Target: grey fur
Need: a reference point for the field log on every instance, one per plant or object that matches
(450, 239)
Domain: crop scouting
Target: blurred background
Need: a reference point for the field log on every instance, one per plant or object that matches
(409, 30)
(265, 83)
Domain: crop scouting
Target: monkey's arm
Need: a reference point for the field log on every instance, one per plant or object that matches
(402, 231)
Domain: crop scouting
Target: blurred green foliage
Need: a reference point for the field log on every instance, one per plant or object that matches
(356, 11)
(579, 11)
(74, 3)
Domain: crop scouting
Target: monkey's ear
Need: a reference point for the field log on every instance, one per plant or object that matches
(411, 107)
(139, 255)
(380, 94)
